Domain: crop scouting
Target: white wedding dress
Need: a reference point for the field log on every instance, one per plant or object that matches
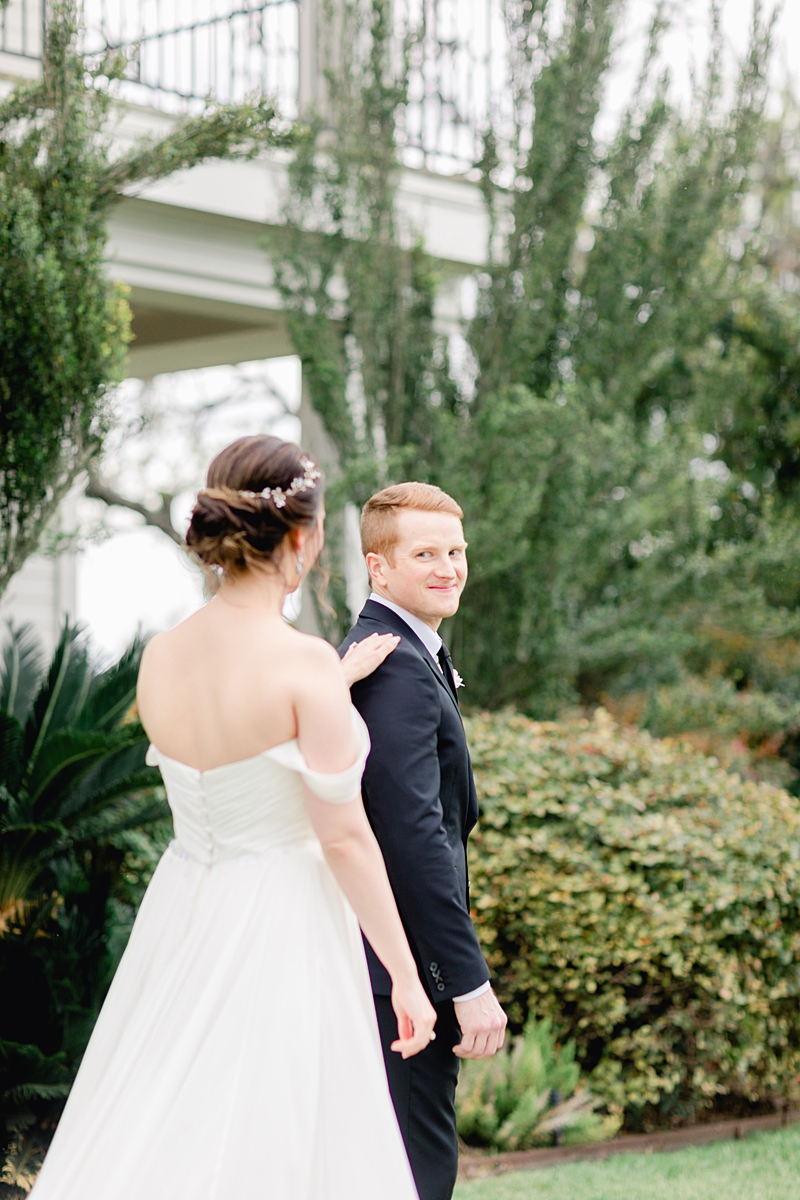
(237, 1054)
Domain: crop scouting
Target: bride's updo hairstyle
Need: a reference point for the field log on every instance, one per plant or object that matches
(258, 490)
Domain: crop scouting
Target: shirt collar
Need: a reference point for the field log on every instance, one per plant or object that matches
(429, 637)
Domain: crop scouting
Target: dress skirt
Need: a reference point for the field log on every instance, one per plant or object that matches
(237, 1054)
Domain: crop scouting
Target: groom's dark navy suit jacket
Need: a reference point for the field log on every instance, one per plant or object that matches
(419, 795)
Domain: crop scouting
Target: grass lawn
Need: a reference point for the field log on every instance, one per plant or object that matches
(763, 1167)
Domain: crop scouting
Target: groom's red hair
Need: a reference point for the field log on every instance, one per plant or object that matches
(378, 523)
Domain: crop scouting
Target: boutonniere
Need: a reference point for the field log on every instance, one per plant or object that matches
(457, 680)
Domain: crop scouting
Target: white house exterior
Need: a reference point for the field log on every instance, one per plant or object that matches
(202, 289)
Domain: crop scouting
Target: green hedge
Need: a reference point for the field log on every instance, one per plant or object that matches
(647, 902)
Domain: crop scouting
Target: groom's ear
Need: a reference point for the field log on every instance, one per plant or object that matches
(376, 568)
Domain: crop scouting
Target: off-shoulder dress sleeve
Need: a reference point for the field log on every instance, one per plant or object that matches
(339, 787)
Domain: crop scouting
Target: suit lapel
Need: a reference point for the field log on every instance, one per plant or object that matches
(382, 615)
(440, 678)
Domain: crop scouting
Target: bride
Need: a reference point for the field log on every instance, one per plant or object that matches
(237, 1053)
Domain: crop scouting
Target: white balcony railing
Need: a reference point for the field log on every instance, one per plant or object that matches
(183, 51)
(457, 82)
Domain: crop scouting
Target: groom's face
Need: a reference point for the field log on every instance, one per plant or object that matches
(426, 572)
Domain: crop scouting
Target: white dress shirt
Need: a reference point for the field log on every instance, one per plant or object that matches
(433, 644)
(429, 637)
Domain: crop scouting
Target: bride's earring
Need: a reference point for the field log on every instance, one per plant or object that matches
(299, 564)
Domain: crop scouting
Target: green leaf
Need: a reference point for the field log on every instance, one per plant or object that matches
(20, 671)
(63, 758)
(120, 771)
(113, 693)
(61, 694)
(11, 759)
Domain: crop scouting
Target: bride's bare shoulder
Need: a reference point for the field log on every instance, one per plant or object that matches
(314, 651)
(162, 648)
(156, 656)
(154, 649)
(266, 650)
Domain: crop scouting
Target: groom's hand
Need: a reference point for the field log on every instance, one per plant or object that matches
(483, 1026)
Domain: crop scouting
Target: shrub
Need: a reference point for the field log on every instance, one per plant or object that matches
(531, 1094)
(645, 901)
(753, 732)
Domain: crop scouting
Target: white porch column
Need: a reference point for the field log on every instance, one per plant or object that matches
(309, 65)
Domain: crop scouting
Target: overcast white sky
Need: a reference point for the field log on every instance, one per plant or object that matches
(685, 47)
(139, 578)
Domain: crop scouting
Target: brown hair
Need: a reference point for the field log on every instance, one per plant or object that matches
(378, 517)
(234, 531)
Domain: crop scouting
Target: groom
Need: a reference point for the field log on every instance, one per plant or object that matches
(420, 798)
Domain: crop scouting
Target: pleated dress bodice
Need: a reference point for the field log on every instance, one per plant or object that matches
(253, 806)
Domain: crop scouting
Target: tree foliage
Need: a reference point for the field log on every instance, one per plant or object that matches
(64, 326)
(620, 429)
(359, 291)
(357, 286)
(621, 343)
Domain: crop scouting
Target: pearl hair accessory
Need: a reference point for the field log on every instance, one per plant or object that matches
(303, 483)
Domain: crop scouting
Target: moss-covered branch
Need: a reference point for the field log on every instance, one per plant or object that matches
(232, 131)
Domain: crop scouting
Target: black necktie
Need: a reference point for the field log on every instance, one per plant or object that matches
(446, 664)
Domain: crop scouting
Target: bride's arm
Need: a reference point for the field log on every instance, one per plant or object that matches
(354, 857)
(325, 736)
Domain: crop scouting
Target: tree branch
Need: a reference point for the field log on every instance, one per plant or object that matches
(158, 518)
(227, 131)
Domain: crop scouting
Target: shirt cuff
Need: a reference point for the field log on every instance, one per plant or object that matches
(473, 995)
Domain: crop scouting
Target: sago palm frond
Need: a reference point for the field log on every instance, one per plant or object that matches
(120, 771)
(20, 671)
(63, 690)
(73, 779)
(111, 694)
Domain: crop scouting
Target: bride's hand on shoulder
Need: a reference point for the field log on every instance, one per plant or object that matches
(416, 1018)
(362, 658)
